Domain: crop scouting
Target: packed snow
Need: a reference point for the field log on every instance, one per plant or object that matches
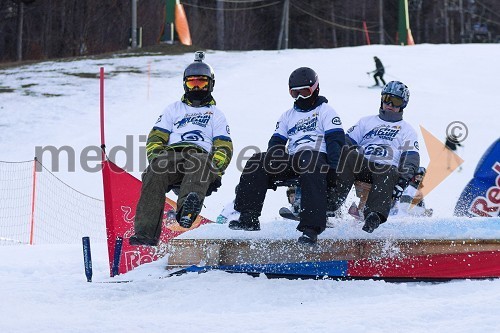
(44, 289)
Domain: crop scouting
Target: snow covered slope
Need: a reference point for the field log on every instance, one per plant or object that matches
(57, 103)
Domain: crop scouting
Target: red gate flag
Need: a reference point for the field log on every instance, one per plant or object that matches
(121, 194)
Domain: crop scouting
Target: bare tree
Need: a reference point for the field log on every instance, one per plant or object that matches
(45, 29)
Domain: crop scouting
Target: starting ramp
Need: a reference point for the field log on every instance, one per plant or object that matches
(399, 250)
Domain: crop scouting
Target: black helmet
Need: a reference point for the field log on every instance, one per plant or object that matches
(302, 77)
(199, 68)
(304, 87)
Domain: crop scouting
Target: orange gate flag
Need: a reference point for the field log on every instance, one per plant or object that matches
(181, 25)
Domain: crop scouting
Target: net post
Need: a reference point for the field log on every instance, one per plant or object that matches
(33, 201)
(101, 112)
(115, 270)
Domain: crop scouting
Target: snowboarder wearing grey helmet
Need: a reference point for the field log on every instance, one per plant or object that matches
(383, 152)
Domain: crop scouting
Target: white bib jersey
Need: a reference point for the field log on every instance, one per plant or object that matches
(382, 141)
(199, 126)
(306, 129)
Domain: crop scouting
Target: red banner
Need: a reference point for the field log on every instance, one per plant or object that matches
(121, 194)
(447, 265)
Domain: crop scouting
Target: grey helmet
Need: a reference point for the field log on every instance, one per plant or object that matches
(398, 89)
(199, 68)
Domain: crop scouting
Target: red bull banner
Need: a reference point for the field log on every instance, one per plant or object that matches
(481, 196)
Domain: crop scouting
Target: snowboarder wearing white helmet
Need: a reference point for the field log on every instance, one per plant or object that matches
(384, 153)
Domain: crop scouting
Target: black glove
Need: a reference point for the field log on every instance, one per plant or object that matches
(214, 186)
(400, 187)
(331, 178)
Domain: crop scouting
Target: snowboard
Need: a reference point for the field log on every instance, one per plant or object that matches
(288, 214)
(370, 87)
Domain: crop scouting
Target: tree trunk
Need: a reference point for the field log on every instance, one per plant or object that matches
(20, 19)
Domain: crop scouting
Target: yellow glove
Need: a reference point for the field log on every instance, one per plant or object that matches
(220, 160)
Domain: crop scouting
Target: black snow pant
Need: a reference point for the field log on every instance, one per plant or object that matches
(377, 75)
(383, 177)
(261, 171)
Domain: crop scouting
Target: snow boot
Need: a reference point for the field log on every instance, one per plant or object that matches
(309, 237)
(372, 221)
(247, 222)
(189, 210)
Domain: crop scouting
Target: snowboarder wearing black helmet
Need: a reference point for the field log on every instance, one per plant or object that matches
(384, 153)
(314, 134)
(378, 73)
(189, 144)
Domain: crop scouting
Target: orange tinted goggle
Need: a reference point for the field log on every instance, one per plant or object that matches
(394, 100)
(197, 81)
(303, 92)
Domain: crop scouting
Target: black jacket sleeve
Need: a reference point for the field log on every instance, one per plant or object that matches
(349, 141)
(408, 164)
(334, 143)
(276, 141)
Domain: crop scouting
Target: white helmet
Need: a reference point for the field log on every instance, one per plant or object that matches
(398, 89)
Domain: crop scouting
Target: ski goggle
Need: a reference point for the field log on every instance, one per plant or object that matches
(303, 92)
(201, 82)
(394, 100)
